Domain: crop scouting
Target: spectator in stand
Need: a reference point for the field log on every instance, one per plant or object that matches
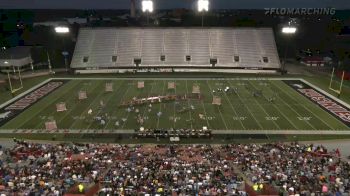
(49, 169)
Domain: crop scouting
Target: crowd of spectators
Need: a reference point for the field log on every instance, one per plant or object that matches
(297, 169)
(55, 169)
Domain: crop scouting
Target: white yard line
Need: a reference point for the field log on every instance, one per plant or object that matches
(277, 104)
(188, 103)
(149, 94)
(321, 118)
(251, 114)
(175, 78)
(113, 112)
(174, 117)
(67, 112)
(306, 108)
(127, 116)
(287, 132)
(222, 117)
(233, 109)
(187, 78)
(87, 108)
(286, 117)
(264, 108)
(290, 106)
(294, 125)
(205, 112)
(108, 100)
(46, 105)
(247, 132)
(346, 105)
(121, 100)
(161, 104)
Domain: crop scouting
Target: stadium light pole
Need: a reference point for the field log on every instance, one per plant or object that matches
(63, 30)
(203, 6)
(147, 7)
(49, 61)
(46, 48)
(287, 31)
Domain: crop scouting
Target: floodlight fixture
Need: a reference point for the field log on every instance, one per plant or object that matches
(147, 6)
(6, 62)
(289, 30)
(62, 29)
(203, 5)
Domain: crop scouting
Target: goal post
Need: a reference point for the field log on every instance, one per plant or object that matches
(336, 90)
(11, 85)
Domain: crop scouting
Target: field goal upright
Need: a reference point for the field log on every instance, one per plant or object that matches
(18, 75)
(338, 91)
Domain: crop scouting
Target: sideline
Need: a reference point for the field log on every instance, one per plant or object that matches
(24, 93)
(331, 144)
(326, 93)
(132, 131)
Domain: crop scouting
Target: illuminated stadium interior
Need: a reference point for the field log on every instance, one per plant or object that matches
(181, 97)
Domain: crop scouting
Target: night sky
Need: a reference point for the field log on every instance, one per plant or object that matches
(165, 4)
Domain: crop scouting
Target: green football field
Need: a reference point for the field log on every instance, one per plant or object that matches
(250, 105)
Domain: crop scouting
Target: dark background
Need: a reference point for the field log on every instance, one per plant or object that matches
(327, 35)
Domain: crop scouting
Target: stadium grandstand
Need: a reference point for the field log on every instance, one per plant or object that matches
(215, 49)
(200, 99)
(113, 169)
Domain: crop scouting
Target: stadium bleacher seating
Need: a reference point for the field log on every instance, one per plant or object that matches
(103, 48)
(113, 169)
